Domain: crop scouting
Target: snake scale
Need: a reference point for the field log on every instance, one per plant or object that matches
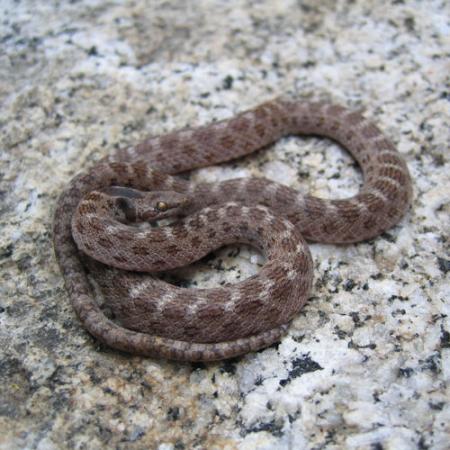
(103, 226)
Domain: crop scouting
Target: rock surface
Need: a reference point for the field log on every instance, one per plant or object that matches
(366, 365)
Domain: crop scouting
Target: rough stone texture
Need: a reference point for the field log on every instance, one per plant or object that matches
(367, 363)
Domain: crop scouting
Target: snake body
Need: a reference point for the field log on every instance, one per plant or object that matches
(98, 215)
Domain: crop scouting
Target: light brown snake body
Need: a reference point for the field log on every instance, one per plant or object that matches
(95, 216)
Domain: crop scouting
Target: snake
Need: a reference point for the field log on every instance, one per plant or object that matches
(136, 214)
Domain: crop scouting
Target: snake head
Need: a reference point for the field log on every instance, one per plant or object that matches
(139, 206)
(162, 204)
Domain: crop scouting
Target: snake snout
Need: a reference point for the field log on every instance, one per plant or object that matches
(163, 205)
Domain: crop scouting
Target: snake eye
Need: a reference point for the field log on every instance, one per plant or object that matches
(162, 206)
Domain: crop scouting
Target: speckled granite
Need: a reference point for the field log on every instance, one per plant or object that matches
(366, 365)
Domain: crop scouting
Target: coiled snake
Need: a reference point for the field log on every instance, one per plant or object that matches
(100, 212)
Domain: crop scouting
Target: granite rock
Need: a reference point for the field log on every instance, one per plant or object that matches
(366, 365)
